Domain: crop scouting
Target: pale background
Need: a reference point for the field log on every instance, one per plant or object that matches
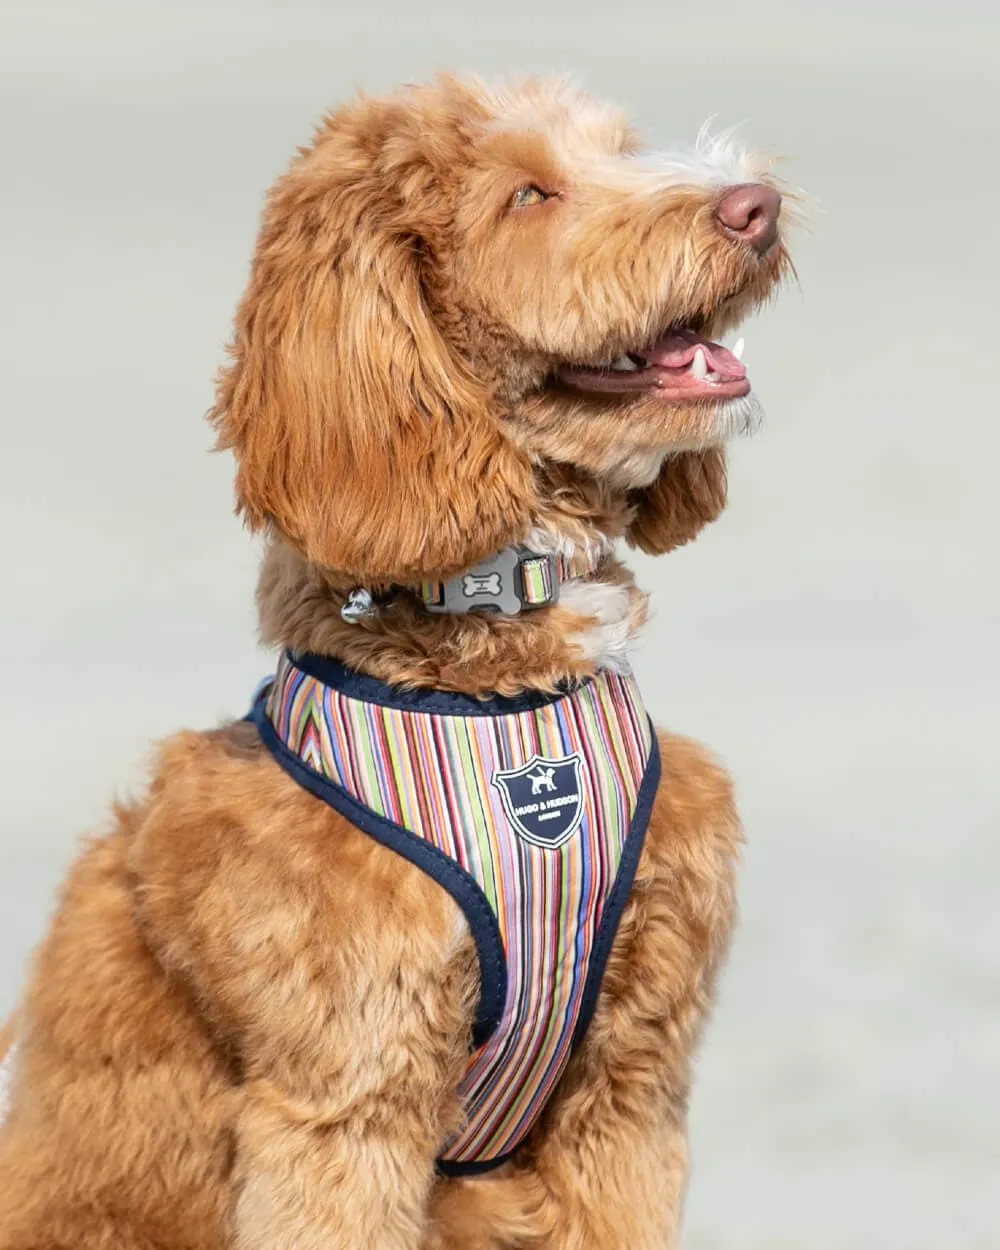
(834, 637)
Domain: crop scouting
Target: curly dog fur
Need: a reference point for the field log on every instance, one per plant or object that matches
(248, 1020)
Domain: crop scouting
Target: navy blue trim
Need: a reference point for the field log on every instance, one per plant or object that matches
(621, 889)
(332, 672)
(463, 888)
(449, 1167)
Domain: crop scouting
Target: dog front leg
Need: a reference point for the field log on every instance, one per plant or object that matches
(347, 1095)
(618, 1186)
(612, 1154)
(346, 1100)
(605, 1168)
(304, 1180)
(345, 991)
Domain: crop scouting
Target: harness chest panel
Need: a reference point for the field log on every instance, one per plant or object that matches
(530, 811)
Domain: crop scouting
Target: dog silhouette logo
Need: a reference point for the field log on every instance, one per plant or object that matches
(544, 779)
(543, 799)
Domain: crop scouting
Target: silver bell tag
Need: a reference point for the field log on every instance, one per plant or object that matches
(358, 605)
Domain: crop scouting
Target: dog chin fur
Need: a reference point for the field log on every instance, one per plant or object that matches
(737, 418)
(728, 420)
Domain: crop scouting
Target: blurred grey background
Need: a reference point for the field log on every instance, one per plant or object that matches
(834, 637)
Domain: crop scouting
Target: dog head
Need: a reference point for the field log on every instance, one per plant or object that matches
(455, 287)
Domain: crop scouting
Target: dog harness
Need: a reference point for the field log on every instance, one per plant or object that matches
(530, 811)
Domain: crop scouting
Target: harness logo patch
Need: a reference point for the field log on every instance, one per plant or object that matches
(543, 799)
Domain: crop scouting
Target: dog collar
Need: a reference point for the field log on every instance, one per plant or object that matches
(509, 582)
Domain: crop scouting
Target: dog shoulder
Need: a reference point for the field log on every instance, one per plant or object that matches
(245, 882)
(219, 805)
(694, 816)
(686, 875)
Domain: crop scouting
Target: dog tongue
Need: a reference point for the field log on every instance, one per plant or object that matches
(676, 349)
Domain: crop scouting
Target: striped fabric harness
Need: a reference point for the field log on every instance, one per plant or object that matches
(530, 811)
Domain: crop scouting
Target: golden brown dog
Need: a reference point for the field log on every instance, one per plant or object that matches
(476, 317)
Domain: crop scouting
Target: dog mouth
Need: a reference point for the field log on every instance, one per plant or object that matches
(680, 366)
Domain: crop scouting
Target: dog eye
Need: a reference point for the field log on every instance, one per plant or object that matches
(525, 197)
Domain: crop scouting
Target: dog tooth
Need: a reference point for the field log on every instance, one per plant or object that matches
(624, 365)
(699, 365)
(713, 377)
(738, 347)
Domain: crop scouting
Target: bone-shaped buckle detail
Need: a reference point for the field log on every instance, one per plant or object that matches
(495, 583)
(513, 579)
(472, 584)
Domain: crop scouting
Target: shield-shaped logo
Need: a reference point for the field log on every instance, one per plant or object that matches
(543, 799)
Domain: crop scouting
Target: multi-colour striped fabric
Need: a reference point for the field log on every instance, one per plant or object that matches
(536, 578)
(543, 807)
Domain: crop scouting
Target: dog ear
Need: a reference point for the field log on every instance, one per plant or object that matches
(689, 492)
(359, 433)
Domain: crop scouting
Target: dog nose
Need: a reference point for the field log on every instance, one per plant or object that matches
(749, 214)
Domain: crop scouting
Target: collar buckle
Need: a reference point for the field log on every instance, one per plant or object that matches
(508, 582)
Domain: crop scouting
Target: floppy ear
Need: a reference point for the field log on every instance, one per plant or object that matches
(358, 431)
(689, 493)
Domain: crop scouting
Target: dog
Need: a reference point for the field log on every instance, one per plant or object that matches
(479, 348)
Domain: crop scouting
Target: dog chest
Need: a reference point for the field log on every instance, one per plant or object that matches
(530, 811)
